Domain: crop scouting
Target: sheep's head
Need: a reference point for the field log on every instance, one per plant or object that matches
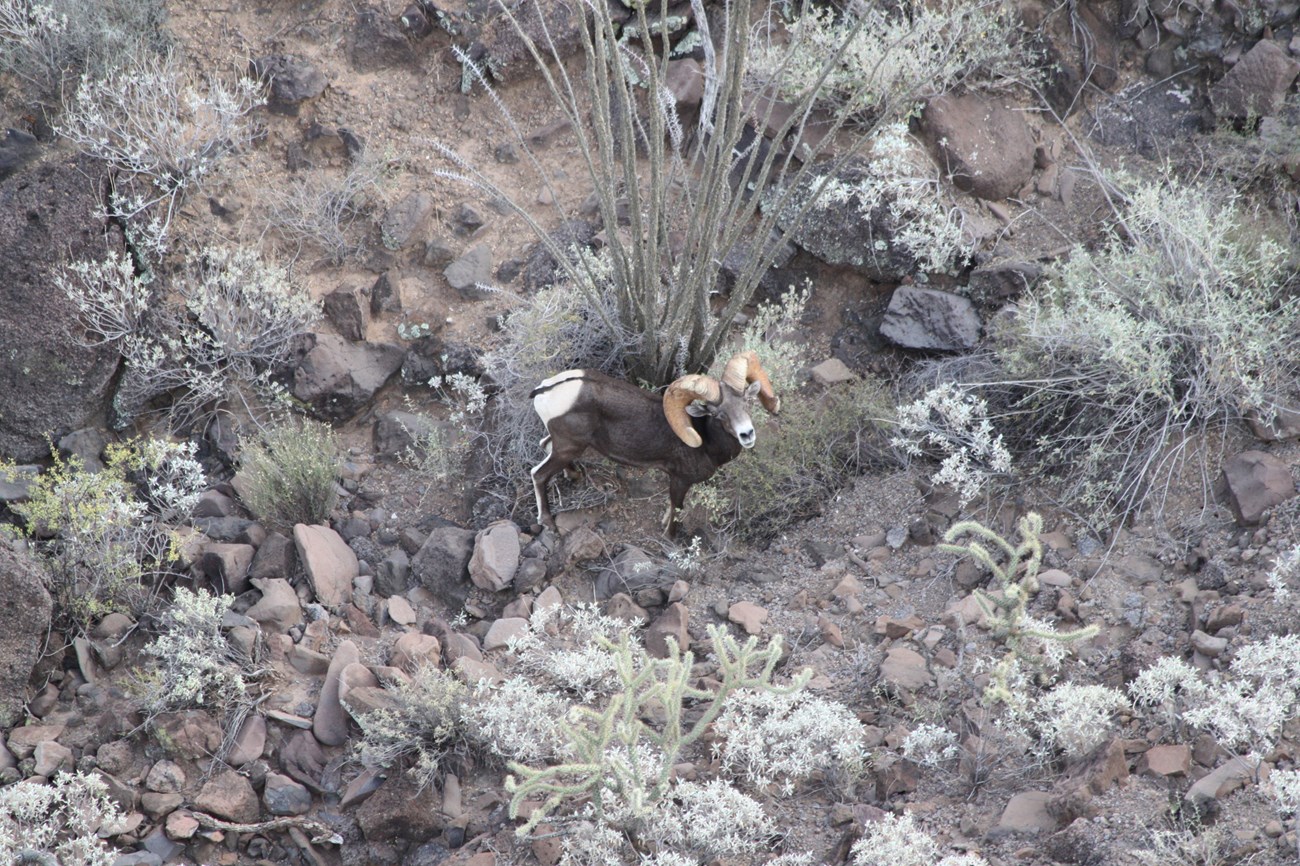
(698, 395)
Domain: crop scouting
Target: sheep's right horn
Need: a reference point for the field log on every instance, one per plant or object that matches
(681, 394)
(744, 369)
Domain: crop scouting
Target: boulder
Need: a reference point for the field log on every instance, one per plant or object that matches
(905, 669)
(377, 42)
(496, 556)
(414, 649)
(470, 271)
(345, 311)
(442, 564)
(631, 571)
(503, 630)
(400, 809)
(330, 564)
(228, 795)
(51, 381)
(392, 575)
(330, 723)
(278, 610)
(1257, 85)
(337, 378)
(400, 225)
(283, 796)
(672, 623)
(983, 145)
(292, 81)
(553, 25)
(1255, 481)
(24, 624)
(748, 616)
(840, 233)
(226, 566)
(920, 318)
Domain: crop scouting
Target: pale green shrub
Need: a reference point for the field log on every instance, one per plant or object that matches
(1077, 718)
(1245, 706)
(290, 472)
(1177, 322)
(1284, 573)
(159, 122)
(44, 44)
(1284, 785)
(234, 321)
(518, 721)
(769, 738)
(890, 57)
(424, 723)
(64, 819)
(108, 541)
(896, 840)
(193, 664)
(898, 178)
(954, 423)
(930, 745)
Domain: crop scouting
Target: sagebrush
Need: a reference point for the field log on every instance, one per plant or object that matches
(289, 472)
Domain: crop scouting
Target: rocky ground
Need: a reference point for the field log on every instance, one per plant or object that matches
(413, 570)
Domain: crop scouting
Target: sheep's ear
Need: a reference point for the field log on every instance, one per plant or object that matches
(752, 391)
(697, 409)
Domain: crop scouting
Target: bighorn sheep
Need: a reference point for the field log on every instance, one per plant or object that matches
(688, 440)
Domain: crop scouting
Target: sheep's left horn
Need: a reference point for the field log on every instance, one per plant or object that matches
(744, 369)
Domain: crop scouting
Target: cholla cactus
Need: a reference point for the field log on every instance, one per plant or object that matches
(617, 760)
(1017, 581)
(954, 423)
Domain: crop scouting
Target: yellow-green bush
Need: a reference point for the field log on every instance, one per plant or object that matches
(290, 472)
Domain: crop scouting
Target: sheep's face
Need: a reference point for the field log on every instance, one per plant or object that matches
(732, 412)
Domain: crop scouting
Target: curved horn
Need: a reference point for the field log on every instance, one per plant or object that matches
(743, 369)
(681, 394)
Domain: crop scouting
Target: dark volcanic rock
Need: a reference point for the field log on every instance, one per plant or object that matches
(50, 381)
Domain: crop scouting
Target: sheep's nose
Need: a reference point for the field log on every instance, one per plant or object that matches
(746, 438)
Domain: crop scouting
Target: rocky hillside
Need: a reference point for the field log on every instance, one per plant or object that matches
(364, 649)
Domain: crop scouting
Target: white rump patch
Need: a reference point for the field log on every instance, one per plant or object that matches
(560, 395)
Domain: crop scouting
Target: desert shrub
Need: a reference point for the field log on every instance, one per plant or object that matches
(1076, 718)
(45, 44)
(107, 538)
(953, 424)
(765, 736)
(1284, 785)
(424, 723)
(930, 745)
(162, 125)
(290, 472)
(896, 178)
(1179, 321)
(823, 442)
(896, 840)
(1283, 574)
(193, 663)
(1245, 706)
(886, 58)
(234, 321)
(61, 822)
(331, 212)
